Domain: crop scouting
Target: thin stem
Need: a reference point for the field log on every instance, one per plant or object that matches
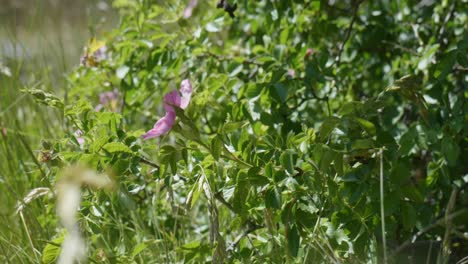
(438, 222)
(252, 227)
(29, 237)
(348, 32)
(148, 162)
(382, 213)
(221, 199)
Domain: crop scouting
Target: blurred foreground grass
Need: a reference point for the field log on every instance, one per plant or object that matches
(40, 41)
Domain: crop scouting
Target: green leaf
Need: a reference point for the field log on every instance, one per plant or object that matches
(408, 216)
(425, 60)
(98, 143)
(327, 157)
(117, 147)
(122, 71)
(194, 194)
(327, 127)
(273, 198)
(407, 141)
(293, 241)
(450, 150)
(391, 203)
(169, 156)
(281, 92)
(233, 126)
(138, 249)
(52, 250)
(412, 193)
(216, 147)
(214, 26)
(253, 89)
(286, 161)
(366, 143)
(192, 245)
(78, 108)
(366, 125)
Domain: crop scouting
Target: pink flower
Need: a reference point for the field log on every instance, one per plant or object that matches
(79, 138)
(171, 99)
(309, 52)
(291, 73)
(92, 60)
(162, 126)
(189, 9)
(109, 100)
(101, 54)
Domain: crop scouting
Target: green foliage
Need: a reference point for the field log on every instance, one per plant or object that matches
(276, 159)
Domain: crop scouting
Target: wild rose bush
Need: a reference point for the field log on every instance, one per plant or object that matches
(266, 137)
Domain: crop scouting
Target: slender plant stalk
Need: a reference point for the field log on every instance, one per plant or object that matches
(30, 239)
(382, 213)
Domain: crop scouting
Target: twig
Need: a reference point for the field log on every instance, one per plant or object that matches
(448, 225)
(460, 68)
(221, 199)
(403, 48)
(223, 58)
(251, 228)
(227, 7)
(348, 32)
(148, 162)
(438, 222)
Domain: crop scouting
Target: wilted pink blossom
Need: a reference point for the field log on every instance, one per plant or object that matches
(109, 100)
(171, 99)
(189, 9)
(4, 132)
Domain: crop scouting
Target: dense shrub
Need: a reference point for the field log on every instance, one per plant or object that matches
(300, 111)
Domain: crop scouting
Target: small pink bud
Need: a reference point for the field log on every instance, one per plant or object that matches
(309, 52)
(4, 132)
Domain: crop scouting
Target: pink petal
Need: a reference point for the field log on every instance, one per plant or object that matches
(189, 9)
(80, 140)
(186, 91)
(78, 136)
(171, 99)
(98, 107)
(162, 126)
